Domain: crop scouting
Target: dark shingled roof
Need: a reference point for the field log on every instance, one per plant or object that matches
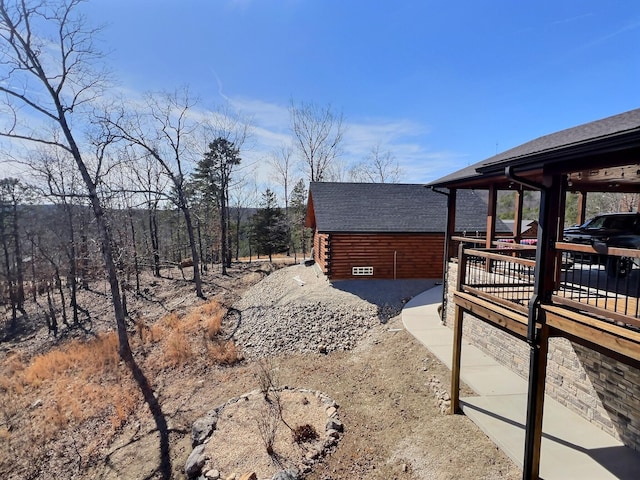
(392, 208)
(582, 136)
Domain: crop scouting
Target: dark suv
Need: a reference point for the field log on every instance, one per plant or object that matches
(608, 230)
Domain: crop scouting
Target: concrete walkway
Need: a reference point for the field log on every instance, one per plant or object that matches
(572, 448)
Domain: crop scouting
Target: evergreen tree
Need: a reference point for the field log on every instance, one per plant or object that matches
(270, 226)
(213, 175)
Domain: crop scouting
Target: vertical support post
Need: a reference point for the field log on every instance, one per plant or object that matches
(517, 216)
(456, 360)
(562, 206)
(448, 244)
(491, 222)
(491, 216)
(537, 376)
(582, 208)
(537, 330)
(451, 224)
(457, 336)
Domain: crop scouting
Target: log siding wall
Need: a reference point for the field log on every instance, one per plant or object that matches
(321, 254)
(416, 255)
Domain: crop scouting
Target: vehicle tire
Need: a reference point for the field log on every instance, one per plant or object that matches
(619, 267)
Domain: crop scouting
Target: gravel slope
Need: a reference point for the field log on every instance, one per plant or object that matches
(296, 309)
(293, 310)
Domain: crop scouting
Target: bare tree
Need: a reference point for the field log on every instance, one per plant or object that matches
(55, 79)
(318, 134)
(61, 186)
(379, 167)
(62, 68)
(281, 162)
(163, 132)
(243, 194)
(11, 195)
(149, 180)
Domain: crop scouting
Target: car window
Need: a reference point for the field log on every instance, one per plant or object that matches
(597, 222)
(621, 223)
(617, 222)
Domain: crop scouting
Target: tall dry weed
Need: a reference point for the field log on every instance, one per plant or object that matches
(214, 325)
(224, 352)
(171, 321)
(178, 349)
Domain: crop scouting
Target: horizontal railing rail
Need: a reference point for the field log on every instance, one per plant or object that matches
(595, 280)
(603, 281)
(501, 275)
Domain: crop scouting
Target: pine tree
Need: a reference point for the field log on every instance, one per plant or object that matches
(212, 176)
(270, 226)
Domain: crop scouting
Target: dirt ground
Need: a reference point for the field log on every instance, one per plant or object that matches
(394, 428)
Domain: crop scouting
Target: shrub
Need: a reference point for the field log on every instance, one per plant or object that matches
(267, 421)
(304, 433)
(266, 375)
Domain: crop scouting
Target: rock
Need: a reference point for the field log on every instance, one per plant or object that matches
(312, 455)
(202, 428)
(330, 442)
(289, 474)
(331, 412)
(195, 462)
(331, 433)
(249, 476)
(334, 424)
(212, 474)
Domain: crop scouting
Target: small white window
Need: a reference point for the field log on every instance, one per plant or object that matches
(359, 271)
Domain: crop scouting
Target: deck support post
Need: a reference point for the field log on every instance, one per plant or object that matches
(457, 336)
(455, 364)
(537, 376)
(537, 330)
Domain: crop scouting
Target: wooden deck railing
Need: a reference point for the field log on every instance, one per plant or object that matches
(602, 283)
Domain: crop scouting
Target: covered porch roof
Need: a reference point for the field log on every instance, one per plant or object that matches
(596, 156)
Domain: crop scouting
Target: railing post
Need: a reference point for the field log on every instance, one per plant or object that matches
(457, 336)
(462, 267)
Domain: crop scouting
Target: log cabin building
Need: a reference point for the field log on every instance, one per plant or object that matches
(385, 230)
(569, 327)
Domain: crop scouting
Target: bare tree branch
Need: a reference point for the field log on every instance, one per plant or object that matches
(318, 134)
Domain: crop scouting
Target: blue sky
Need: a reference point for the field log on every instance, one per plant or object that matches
(439, 83)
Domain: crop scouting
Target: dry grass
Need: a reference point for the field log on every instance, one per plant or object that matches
(66, 387)
(214, 313)
(178, 350)
(178, 337)
(224, 352)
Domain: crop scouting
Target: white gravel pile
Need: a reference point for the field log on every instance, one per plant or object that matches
(296, 310)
